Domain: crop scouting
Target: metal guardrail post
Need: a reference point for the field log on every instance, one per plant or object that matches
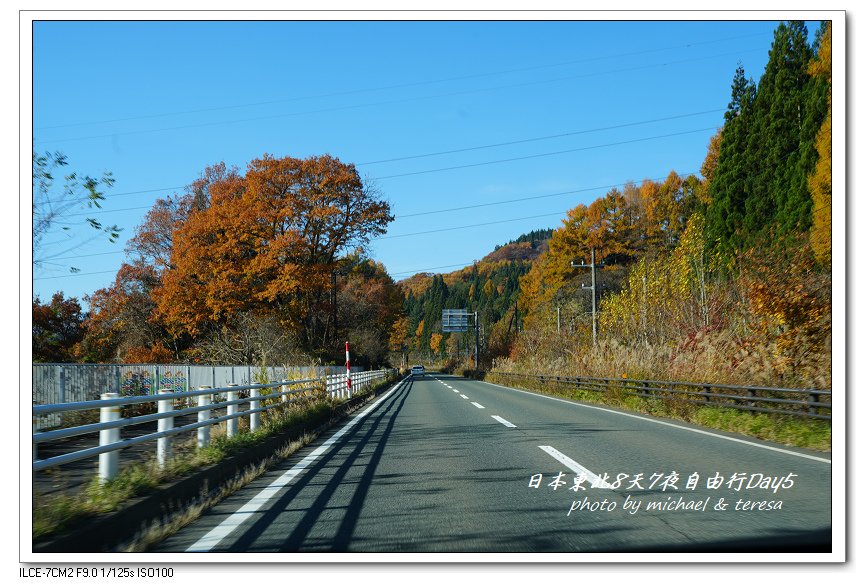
(35, 445)
(254, 418)
(109, 462)
(231, 424)
(163, 444)
(204, 432)
(813, 399)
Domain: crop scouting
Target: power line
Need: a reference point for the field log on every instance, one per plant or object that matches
(430, 154)
(390, 102)
(400, 85)
(453, 209)
(75, 274)
(429, 269)
(391, 237)
(512, 200)
(546, 154)
(113, 194)
(470, 226)
(574, 133)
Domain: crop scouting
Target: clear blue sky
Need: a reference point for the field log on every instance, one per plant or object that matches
(156, 102)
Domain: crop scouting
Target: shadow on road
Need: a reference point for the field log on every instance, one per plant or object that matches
(312, 514)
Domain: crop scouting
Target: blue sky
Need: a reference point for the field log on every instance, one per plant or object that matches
(156, 102)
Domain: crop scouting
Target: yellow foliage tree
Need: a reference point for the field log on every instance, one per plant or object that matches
(820, 182)
(662, 296)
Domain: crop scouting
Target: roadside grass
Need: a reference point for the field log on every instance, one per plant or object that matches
(793, 431)
(54, 512)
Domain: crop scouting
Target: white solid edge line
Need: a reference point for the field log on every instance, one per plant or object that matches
(594, 479)
(658, 421)
(227, 526)
(478, 405)
(504, 422)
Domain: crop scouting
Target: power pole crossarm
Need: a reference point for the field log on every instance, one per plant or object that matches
(591, 265)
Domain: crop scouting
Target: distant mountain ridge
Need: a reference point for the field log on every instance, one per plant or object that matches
(526, 247)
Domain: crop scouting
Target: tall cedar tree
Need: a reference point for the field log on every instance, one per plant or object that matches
(767, 151)
(727, 190)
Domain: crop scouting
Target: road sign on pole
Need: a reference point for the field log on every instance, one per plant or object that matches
(455, 321)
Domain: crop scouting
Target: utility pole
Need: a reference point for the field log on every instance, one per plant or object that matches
(333, 302)
(592, 288)
(477, 329)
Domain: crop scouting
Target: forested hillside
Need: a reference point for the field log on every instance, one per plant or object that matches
(720, 277)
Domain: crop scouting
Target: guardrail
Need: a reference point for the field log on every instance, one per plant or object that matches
(171, 404)
(812, 403)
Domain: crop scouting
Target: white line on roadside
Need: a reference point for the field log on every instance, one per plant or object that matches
(591, 478)
(463, 396)
(478, 405)
(227, 526)
(659, 422)
(504, 422)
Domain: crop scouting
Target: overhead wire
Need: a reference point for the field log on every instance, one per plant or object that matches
(514, 159)
(389, 102)
(401, 236)
(453, 151)
(401, 85)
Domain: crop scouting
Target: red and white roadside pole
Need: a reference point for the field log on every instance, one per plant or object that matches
(347, 370)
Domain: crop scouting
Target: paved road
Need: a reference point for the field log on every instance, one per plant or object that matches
(444, 464)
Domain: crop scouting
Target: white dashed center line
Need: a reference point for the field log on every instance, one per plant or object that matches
(456, 390)
(575, 467)
(463, 396)
(504, 422)
(478, 405)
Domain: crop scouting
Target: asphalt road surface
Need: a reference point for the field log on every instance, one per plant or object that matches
(445, 464)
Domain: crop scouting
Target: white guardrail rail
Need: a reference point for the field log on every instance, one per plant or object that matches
(172, 404)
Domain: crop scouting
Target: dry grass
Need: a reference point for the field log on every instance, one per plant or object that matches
(717, 357)
(794, 431)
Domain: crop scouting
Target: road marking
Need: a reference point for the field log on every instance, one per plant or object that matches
(463, 396)
(227, 526)
(658, 421)
(504, 422)
(456, 390)
(478, 405)
(593, 479)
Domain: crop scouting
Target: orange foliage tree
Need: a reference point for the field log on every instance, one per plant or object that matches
(267, 243)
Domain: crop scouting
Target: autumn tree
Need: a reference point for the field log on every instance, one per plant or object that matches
(268, 242)
(58, 327)
(820, 180)
(665, 296)
(398, 339)
(435, 342)
(369, 304)
(121, 327)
